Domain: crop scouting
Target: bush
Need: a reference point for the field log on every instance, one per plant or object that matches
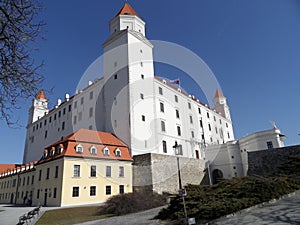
(133, 202)
(228, 196)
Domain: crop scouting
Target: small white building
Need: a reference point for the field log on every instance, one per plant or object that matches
(231, 159)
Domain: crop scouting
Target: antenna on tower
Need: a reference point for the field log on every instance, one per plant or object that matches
(273, 124)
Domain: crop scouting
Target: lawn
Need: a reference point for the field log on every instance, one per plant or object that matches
(71, 215)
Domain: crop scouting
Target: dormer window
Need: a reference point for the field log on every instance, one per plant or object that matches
(79, 148)
(52, 152)
(45, 154)
(118, 152)
(93, 150)
(106, 151)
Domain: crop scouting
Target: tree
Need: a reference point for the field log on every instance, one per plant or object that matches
(19, 76)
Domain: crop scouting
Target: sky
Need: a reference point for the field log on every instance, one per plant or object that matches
(252, 47)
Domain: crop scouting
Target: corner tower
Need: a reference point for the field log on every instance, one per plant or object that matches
(221, 105)
(39, 107)
(128, 73)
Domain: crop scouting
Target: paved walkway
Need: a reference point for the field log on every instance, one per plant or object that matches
(284, 211)
(141, 218)
(11, 213)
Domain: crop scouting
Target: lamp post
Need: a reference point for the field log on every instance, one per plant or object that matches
(178, 151)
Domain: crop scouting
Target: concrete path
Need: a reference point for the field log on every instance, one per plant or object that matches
(284, 211)
(11, 213)
(141, 218)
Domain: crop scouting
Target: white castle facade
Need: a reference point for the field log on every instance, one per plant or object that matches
(144, 111)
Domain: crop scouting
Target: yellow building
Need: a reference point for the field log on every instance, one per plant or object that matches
(84, 168)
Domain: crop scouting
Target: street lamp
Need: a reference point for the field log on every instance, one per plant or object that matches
(182, 192)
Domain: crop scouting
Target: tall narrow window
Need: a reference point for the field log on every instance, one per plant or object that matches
(176, 98)
(192, 134)
(199, 110)
(191, 119)
(177, 114)
(160, 90)
(92, 190)
(76, 171)
(48, 172)
(75, 192)
(201, 124)
(54, 192)
(143, 118)
(269, 144)
(189, 105)
(164, 144)
(209, 127)
(121, 171)
(121, 189)
(93, 171)
(108, 190)
(162, 107)
(56, 172)
(40, 175)
(108, 171)
(163, 126)
(91, 95)
(178, 131)
(207, 114)
(91, 112)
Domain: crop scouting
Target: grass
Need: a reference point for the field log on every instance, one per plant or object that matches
(68, 216)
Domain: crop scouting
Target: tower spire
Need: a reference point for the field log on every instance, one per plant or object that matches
(127, 10)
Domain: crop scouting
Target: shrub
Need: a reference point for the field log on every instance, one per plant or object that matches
(133, 202)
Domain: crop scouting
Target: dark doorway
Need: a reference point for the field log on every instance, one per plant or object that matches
(216, 175)
(11, 198)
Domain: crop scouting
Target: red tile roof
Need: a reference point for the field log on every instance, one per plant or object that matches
(219, 94)
(5, 167)
(41, 94)
(87, 139)
(126, 10)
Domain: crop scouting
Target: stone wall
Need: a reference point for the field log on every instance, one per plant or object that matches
(160, 172)
(266, 162)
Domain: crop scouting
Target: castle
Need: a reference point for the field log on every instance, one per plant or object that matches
(140, 111)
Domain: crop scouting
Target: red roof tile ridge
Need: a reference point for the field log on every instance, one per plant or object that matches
(127, 10)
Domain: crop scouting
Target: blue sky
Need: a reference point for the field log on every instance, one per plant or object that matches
(252, 46)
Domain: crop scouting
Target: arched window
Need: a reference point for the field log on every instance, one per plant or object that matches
(118, 152)
(93, 150)
(79, 148)
(106, 151)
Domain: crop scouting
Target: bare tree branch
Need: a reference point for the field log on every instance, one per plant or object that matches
(19, 77)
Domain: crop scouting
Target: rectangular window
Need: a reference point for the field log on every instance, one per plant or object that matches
(178, 131)
(116, 76)
(76, 171)
(269, 144)
(79, 116)
(121, 189)
(92, 190)
(37, 194)
(75, 104)
(63, 126)
(108, 190)
(45, 122)
(201, 124)
(142, 96)
(70, 108)
(142, 76)
(50, 119)
(40, 175)
(176, 98)
(207, 114)
(64, 111)
(59, 114)
(189, 105)
(192, 134)
(209, 127)
(163, 126)
(164, 144)
(81, 100)
(121, 171)
(55, 116)
(56, 172)
(48, 172)
(199, 110)
(216, 129)
(91, 112)
(74, 119)
(91, 95)
(162, 107)
(75, 192)
(191, 119)
(93, 171)
(108, 171)
(46, 134)
(54, 192)
(214, 118)
(28, 179)
(177, 114)
(143, 118)
(160, 90)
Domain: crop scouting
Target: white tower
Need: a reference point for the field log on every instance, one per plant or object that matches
(39, 107)
(128, 73)
(221, 105)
